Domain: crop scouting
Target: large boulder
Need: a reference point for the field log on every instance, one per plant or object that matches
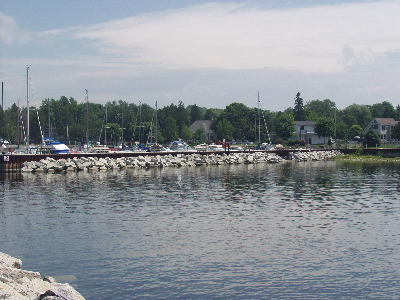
(18, 284)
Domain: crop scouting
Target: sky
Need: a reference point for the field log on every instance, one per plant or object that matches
(201, 52)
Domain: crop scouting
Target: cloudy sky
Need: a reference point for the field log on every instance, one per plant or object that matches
(203, 52)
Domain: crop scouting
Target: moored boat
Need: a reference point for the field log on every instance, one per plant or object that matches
(55, 147)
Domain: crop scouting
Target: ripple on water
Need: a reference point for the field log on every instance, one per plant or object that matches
(288, 231)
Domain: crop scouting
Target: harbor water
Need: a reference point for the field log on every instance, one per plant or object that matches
(310, 230)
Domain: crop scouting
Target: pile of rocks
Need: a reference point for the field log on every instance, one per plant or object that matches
(146, 161)
(179, 160)
(17, 284)
(314, 155)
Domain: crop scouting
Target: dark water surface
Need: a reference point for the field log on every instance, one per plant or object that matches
(318, 230)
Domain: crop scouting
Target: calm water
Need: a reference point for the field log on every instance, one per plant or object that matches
(318, 230)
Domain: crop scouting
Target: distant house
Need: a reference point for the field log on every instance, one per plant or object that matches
(383, 127)
(205, 124)
(305, 130)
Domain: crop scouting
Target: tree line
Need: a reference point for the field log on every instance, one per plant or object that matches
(118, 121)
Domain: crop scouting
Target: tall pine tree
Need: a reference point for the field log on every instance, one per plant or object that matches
(299, 113)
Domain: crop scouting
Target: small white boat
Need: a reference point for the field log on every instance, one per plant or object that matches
(100, 149)
(54, 147)
(201, 147)
(215, 147)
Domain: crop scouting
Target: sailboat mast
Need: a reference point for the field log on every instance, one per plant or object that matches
(87, 120)
(18, 125)
(49, 135)
(105, 128)
(2, 111)
(156, 123)
(27, 108)
(122, 124)
(259, 119)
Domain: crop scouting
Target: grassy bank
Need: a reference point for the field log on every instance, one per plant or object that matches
(361, 157)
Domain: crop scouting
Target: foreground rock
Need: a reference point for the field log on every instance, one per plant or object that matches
(179, 160)
(17, 284)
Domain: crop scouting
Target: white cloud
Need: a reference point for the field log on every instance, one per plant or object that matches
(10, 32)
(214, 54)
(245, 36)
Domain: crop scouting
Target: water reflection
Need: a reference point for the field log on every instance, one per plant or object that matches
(293, 230)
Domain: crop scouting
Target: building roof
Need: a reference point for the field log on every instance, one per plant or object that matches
(205, 124)
(386, 121)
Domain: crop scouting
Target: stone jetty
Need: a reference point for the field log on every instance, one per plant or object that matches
(314, 155)
(74, 164)
(18, 284)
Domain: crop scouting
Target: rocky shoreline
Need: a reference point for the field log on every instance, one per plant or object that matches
(179, 160)
(18, 284)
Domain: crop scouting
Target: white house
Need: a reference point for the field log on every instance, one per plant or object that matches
(305, 130)
(383, 127)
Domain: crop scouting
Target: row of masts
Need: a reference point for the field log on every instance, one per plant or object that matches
(105, 128)
(27, 142)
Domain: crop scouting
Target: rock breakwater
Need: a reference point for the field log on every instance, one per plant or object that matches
(314, 155)
(178, 160)
(18, 284)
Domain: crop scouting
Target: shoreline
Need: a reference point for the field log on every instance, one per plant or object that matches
(19, 284)
(366, 158)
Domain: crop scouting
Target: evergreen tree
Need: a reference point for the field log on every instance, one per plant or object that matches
(299, 112)
(182, 116)
(195, 113)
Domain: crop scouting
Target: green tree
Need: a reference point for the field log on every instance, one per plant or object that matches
(383, 110)
(317, 108)
(200, 135)
(396, 132)
(324, 127)
(114, 132)
(241, 118)
(209, 115)
(165, 115)
(171, 130)
(182, 116)
(298, 111)
(186, 134)
(225, 129)
(284, 126)
(11, 124)
(371, 139)
(355, 130)
(195, 113)
(355, 114)
(342, 131)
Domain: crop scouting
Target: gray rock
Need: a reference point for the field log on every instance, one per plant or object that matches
(16, 283)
